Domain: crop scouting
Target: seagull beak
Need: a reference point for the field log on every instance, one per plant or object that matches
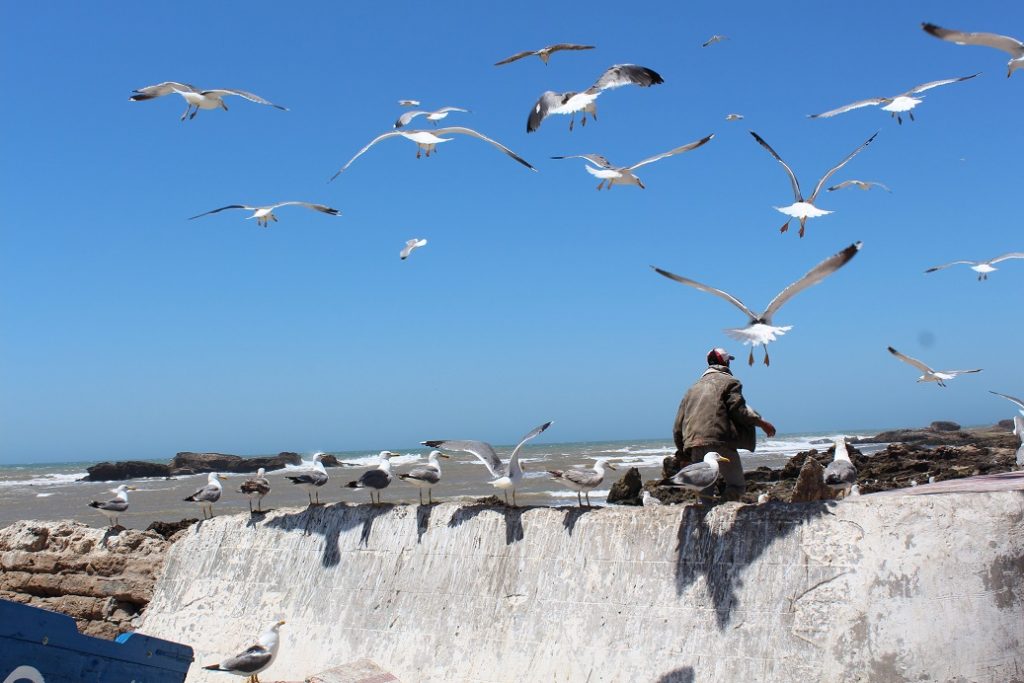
(131, 488)
(445, 456)
(723, 459)
(281, 623)
(610, 466)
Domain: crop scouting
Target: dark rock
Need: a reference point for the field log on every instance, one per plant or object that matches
(944, 426)
(626, 491)
(1005, 424)
(331, 461)
(810, 483)
(127, 469)
(168, 529)
(198, 463)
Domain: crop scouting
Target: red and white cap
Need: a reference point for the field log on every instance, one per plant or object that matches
(719, 356)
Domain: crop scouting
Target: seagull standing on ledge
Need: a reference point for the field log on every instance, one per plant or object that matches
(376, 479)
(114, 507)
(982, 268)
(895, 105)
(840, 475)
(699, 477)
(426, 476)
(505, 476)
(583, 480)
(572, 102)
(648, 500)
(802, 209)
(760, 329)
(255, 659)
(623, 175)
(200, 99)
(313, 480)
(208, 495)
(938, 376)
(257, 488)
(544, 53)
(1011, 46)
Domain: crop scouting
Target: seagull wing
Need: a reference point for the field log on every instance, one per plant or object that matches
(1004, 43)
(427, 473)
(1019, 402)
(710, 290)
(481, 136)
(626, 74)
(253, 660)
(444, 110)
(1004, 257)
(481, 449)
(224, 208)
(316, 207)
(207, 494)
(874, 101)
(544, 105)
(838, 166)
(911, 361)
(951, 263)
(534, 433)
(960, 372)
(595, 159)
(408, 116)
(792, 176)
(678, 150)
(518, 55)
(363, 150)
(934, 84)
(159, 90)
(247, 95)
(582, 477)
(813, 277)
(568, 46)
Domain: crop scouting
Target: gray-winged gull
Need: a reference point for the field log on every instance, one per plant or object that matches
(571, 102)
(209, 494)
(505, 476)
(410, 246)
(581, 479)
(982, 268)
(699, 477)
(376, 479)
(896, 105)
(648, 499)
(717, 38)
(1011, 46)
(544, 53)
(1018, 429)
(265, 214)
(311, 480)
(425, 476)
(408, 103)
(256, 487)
(940, 377)
(840, 475)
(200, 99)
(255, 659)
(861, 184)
(432, 116)
(115, 506)
(623, 175)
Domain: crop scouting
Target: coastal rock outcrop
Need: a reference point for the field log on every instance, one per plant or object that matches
(944, 426)
(126, 469)
(200, 463)
(626, 491)
(810, 483)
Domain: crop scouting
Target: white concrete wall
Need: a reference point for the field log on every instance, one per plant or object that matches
(899, 588)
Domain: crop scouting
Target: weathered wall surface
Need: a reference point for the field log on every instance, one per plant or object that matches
(886, 589)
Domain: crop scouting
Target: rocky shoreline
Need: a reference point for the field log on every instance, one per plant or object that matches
(186, 463)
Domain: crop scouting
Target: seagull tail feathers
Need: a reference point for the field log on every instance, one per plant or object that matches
(213, 667)
(353, 485)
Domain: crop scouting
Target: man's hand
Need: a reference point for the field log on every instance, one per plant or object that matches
(768, 428)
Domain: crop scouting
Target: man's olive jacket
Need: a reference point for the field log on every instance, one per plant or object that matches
(714, 413)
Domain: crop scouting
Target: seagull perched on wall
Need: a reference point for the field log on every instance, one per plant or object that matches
(760, 329)
(257, 487)
(505, 476)
(116, 506)
(699, 477)
(426, 476)
(254, 659)
(804, 209)
(265, 214)
(376, 479)
(982, 268)
(840, 475)
(623, 175)
(1011, 46)
(572, 102)
(938, 376)
(411, 246)
(312, 480)
(208, 495)
(859, 184)
(581, 479)
(544, 53)
(1018, 402)
(200, 99)
(896, 105)
(432, 116)
(427, 140)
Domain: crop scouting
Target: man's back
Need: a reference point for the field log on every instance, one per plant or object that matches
(714, 413)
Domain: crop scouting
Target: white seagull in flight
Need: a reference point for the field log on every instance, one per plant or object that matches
(410, 246)
(572, 102)
(759, 329)
(427, 140)
(200, 99)
(861, 184)
(982, 268)
(1011, 46)
(938, 376)
(895, 105)
(265, 214)
(544, 53)
(432, 116)
(803, 209)
(717, 38)
(408, 103)
(623, 175)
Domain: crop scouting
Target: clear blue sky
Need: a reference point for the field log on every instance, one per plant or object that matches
(128, 331)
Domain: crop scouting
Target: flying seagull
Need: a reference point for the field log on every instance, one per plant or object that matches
(759, 329)
(699, 477)
(312, 480)
(714, 39)
(426, 476)
(208, 495)
(432, 116)
(256, 487)
(200, 99)
(255, 659)
(623, 175)
(581, 479)
(895, 105)
(862, 184)
(937, 376)
(408, 103)
(840, 475)
(410, 246)
(982, 268)
(734, 117)
(544, 53)
(265, 214)
(572, 102)
(505, 476)
(376, 479)
(804, 209)
(117, 505)
(1012, 46)
(1017, 401)
(427, 140)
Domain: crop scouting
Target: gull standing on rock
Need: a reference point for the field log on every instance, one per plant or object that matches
(505, 476)
(938, 376)
(1011, 46)
(840, 475)
(200, 99)
(699, 477)
(257, 488)
(572, 102)
(208, 495)
(426, 476)
(648, 499)
(410, 246)
(116, 506)
(804, 209)
(432, 116)
(376, 479)
(583, 480)
(265, 214)
(760, 329)
(623, 175)
(313, 480)
(895, 105)
(861, 184)
(254, 659)
(982, 268)
(544, 53)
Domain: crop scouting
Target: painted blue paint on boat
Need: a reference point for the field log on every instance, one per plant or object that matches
(41, 646)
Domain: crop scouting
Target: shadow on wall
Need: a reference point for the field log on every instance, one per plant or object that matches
(513, 519)
(681, 675)
(330, 521)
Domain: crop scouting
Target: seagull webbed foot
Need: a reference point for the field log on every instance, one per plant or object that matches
(785, 227)
(750, 359)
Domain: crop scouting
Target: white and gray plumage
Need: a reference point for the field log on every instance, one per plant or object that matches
(432, 116)
(572, 102)
(982, 268)
(940, 377)
(759, 329)
(544, 53)
(734, 117)
(255, 659)
(427, 140)
(717, 38)
(803, 209)
(1018, 402)
(505, 476)
(408, 103)
(699, 477)
(376, 480)
(623, 175)
(116, 506)
(763, 498)
(1018, 429)
(265, 214)
(648, 499)
(313, 480)
(1011, 46)
(425, 476)
(257, 487)
(410, 246)
(860, 184)
(896, 105)
(209, 494)
(581, 479)
(840, 475)
(200, 99)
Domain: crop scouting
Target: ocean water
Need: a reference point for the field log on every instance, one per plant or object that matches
(54, 490)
